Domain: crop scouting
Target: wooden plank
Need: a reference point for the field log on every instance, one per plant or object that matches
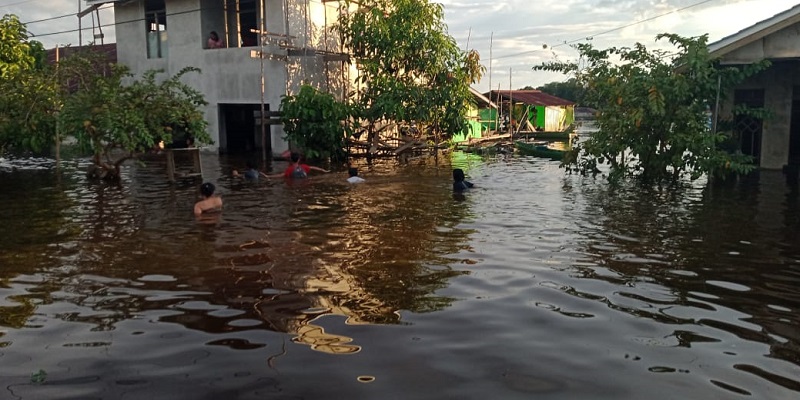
(336, 57)
(405, 147)
(489, 138)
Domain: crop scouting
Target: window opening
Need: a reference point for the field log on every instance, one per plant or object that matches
(155, 15)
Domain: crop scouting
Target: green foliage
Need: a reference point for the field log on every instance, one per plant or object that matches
(315, 122)
(117, 122)
(654, 110)
(570, 89)
(39, 377)
(83, 96)
(26, 89)
(410, 69)
(17, 53)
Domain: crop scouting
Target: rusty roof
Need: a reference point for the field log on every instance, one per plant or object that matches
(532, 97)
(109, 50)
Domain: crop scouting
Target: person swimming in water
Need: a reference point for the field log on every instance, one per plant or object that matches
(250, 173)
(210, 202)
(460, 183)
(353, 176)
(297, 169)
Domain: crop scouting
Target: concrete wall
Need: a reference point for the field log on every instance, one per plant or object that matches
(230, 75)
(779, 45)
(778, 83)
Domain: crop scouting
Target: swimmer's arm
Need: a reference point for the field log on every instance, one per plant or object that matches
(311, 167)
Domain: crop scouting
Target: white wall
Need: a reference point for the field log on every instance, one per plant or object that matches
(229, 75)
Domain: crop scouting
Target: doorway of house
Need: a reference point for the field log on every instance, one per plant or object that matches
(748, 127)
(794, 129)
(241, 129)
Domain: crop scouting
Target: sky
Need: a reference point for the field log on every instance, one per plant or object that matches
(514, 35)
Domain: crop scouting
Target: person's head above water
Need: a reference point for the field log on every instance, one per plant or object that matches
(295, 157)
(352, 171)
(207, 189)
(458, 175)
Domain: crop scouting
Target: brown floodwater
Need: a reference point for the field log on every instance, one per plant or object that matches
(535, 284)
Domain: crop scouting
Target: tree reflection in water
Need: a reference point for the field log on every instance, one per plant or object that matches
(282, 255)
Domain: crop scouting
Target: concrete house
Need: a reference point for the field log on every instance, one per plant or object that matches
(774, 142)
(297, 48)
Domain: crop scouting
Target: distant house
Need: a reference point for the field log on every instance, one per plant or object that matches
(171, 35)
(543, 111)
(475, 117)
(774, 142)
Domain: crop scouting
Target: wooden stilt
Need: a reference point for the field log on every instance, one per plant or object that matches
(172, 171)
(170, 166)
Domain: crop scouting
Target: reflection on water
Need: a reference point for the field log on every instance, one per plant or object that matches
(534, 283)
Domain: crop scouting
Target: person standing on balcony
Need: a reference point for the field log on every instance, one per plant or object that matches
(214, 42)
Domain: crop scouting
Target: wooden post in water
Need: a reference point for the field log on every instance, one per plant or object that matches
(58, 134)
(510, 106)
(170, 165)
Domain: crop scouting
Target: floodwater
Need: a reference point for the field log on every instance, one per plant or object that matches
(534, 285)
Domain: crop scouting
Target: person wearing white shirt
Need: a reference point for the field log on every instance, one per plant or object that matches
(354, 178)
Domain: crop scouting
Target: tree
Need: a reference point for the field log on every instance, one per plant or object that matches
(313, 122)
(570, 89)
(17, 53)
(83, 96)
(654, 110)
(26, 89)
(117, 122)
(409, 69)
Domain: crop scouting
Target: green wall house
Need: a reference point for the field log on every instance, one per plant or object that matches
(475, 120)
(543, 111)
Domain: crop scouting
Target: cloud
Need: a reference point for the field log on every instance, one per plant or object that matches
(516, 30)
(521, 28)
(55, 23)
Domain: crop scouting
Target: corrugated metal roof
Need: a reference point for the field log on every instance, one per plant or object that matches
(531, 97)
(755, 32)
(109, 50)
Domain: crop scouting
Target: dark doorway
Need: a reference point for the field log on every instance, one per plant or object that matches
(794, 129)
(748, 127)
(241, 129)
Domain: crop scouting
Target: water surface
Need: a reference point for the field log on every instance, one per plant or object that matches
(535, 284)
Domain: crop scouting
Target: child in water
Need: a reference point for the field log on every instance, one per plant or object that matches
(297, 169)
(250, 173)
(354, 178)
(210, 203)
(459, 182)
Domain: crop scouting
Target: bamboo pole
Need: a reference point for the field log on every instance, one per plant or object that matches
(491, 41)
(261, 38)
(510, 104)
(58, 134)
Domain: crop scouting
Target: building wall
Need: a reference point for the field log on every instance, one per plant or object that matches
(778, 83)
(778, 45)
(229, 75)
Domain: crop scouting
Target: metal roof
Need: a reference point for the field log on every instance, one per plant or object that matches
(755, 32)
(482, 100)
(531, 97)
